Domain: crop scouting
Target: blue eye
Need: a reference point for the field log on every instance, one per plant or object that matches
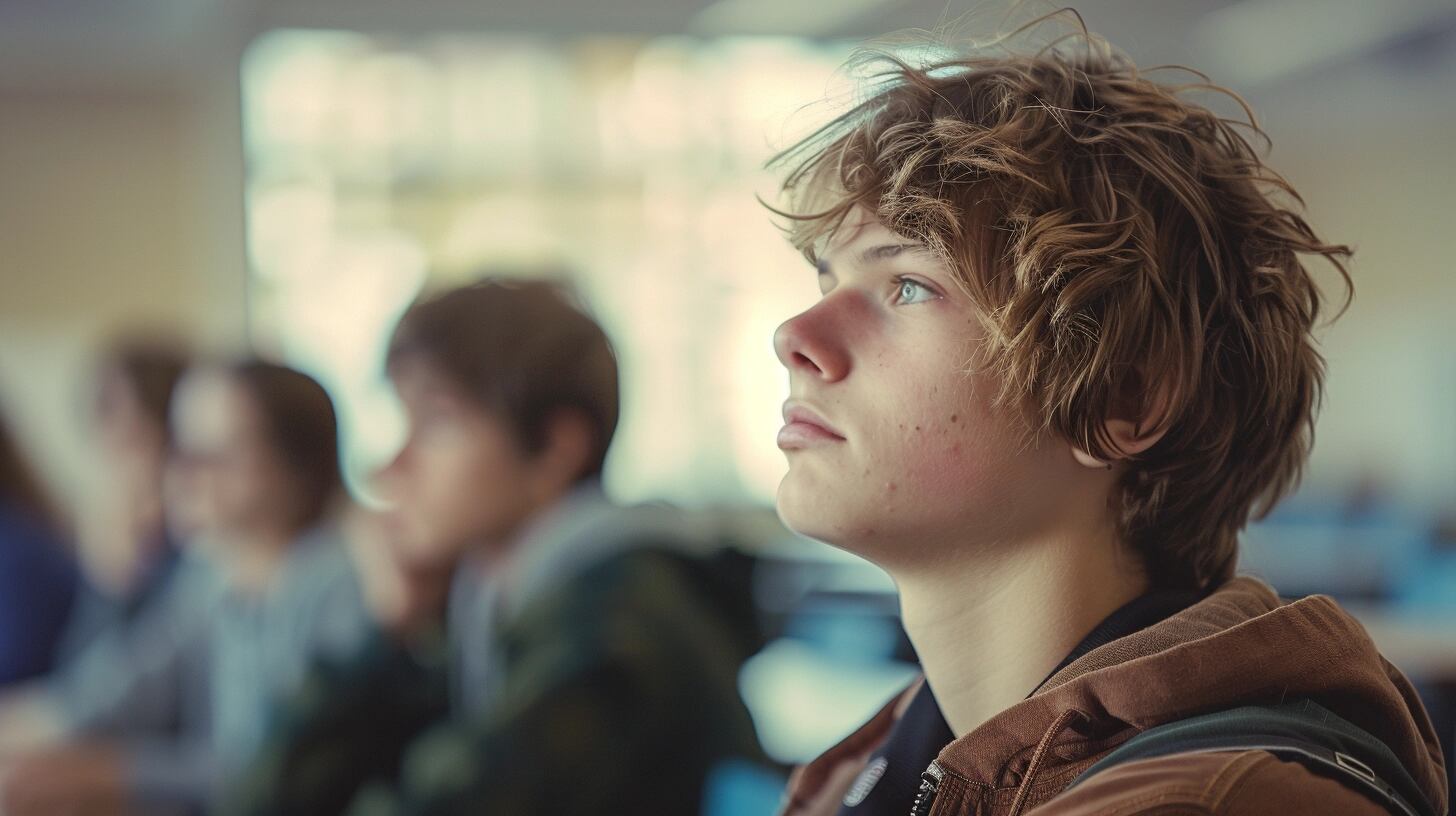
(912, 292)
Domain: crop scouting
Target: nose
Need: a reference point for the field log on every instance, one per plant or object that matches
(807, 344)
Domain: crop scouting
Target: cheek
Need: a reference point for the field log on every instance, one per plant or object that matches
(943, 451)
(239, 486)
(271, 486)
(493, 469)
(966, 434)
(437, 499)
(476, 485)
(448, 475)
(945, 454)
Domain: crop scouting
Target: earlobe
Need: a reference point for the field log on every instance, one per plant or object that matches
(1086, 459)
(1128, 440)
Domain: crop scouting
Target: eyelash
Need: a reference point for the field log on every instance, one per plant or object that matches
(900, 282)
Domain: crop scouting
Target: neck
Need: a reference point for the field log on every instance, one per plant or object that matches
(989, 627)
(541, 520)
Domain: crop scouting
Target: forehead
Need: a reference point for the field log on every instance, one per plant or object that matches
(422, 383)
(416, 376)
(864, 240)
(860, 228)
(211, 408)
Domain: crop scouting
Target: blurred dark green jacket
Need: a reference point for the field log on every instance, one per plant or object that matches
(612, 689)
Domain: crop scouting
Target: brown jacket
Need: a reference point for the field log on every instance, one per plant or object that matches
(1239, 646)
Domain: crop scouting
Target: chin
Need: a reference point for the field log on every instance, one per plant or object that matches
(410, 544)
(833, 516)
(794, 505)
(804, 510)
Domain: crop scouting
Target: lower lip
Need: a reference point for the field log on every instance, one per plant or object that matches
(797, 435)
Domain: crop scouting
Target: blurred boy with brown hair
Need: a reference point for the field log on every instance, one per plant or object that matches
(592, 652)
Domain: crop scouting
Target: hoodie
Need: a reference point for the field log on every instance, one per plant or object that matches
(1239, 646)
(599, 676)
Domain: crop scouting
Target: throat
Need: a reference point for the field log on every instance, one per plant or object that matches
(988, 634)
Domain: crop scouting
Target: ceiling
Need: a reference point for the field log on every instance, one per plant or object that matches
(1275, 49)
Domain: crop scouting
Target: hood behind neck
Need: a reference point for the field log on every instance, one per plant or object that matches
(1241, 645)
(586, 528)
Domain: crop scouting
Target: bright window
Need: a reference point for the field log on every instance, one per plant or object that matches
(379, 166)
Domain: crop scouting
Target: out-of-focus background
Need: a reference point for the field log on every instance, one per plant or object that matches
(286, 175)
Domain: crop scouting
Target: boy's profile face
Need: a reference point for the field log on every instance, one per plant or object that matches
(909, 448)
(461, 477)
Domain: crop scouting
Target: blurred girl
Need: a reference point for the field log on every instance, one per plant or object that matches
(166, 713)
(126, 550)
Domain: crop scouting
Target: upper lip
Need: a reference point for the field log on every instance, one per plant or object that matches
(799, 412)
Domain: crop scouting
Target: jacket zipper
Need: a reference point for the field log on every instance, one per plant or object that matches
(929, 786)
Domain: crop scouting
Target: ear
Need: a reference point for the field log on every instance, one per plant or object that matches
(569, 441)
(1133, 429)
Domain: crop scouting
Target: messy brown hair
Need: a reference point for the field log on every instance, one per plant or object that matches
(519, 344)
(301, 425)
(1130, 256)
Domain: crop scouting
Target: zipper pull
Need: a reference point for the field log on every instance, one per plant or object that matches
(929, 786)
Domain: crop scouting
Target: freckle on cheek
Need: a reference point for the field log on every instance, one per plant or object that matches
(954, 417)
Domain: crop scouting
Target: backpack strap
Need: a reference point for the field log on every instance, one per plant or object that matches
(1301, 731)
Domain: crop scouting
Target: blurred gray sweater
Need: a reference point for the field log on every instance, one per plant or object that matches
(187, 689)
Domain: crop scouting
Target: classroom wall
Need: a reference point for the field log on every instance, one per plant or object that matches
(119, 209)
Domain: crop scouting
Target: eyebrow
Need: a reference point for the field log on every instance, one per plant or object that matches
(882, 252)
(874, 254)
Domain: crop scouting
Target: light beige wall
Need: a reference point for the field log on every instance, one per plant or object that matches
(1386, 188)
(119, 207)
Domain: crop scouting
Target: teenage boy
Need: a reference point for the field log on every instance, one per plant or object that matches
(593, 651)
(1062, 355)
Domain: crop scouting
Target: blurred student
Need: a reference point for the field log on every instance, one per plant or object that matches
(593, 651)
(38, 578)
(1062, 355)
(125, 546)
(157, 720)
